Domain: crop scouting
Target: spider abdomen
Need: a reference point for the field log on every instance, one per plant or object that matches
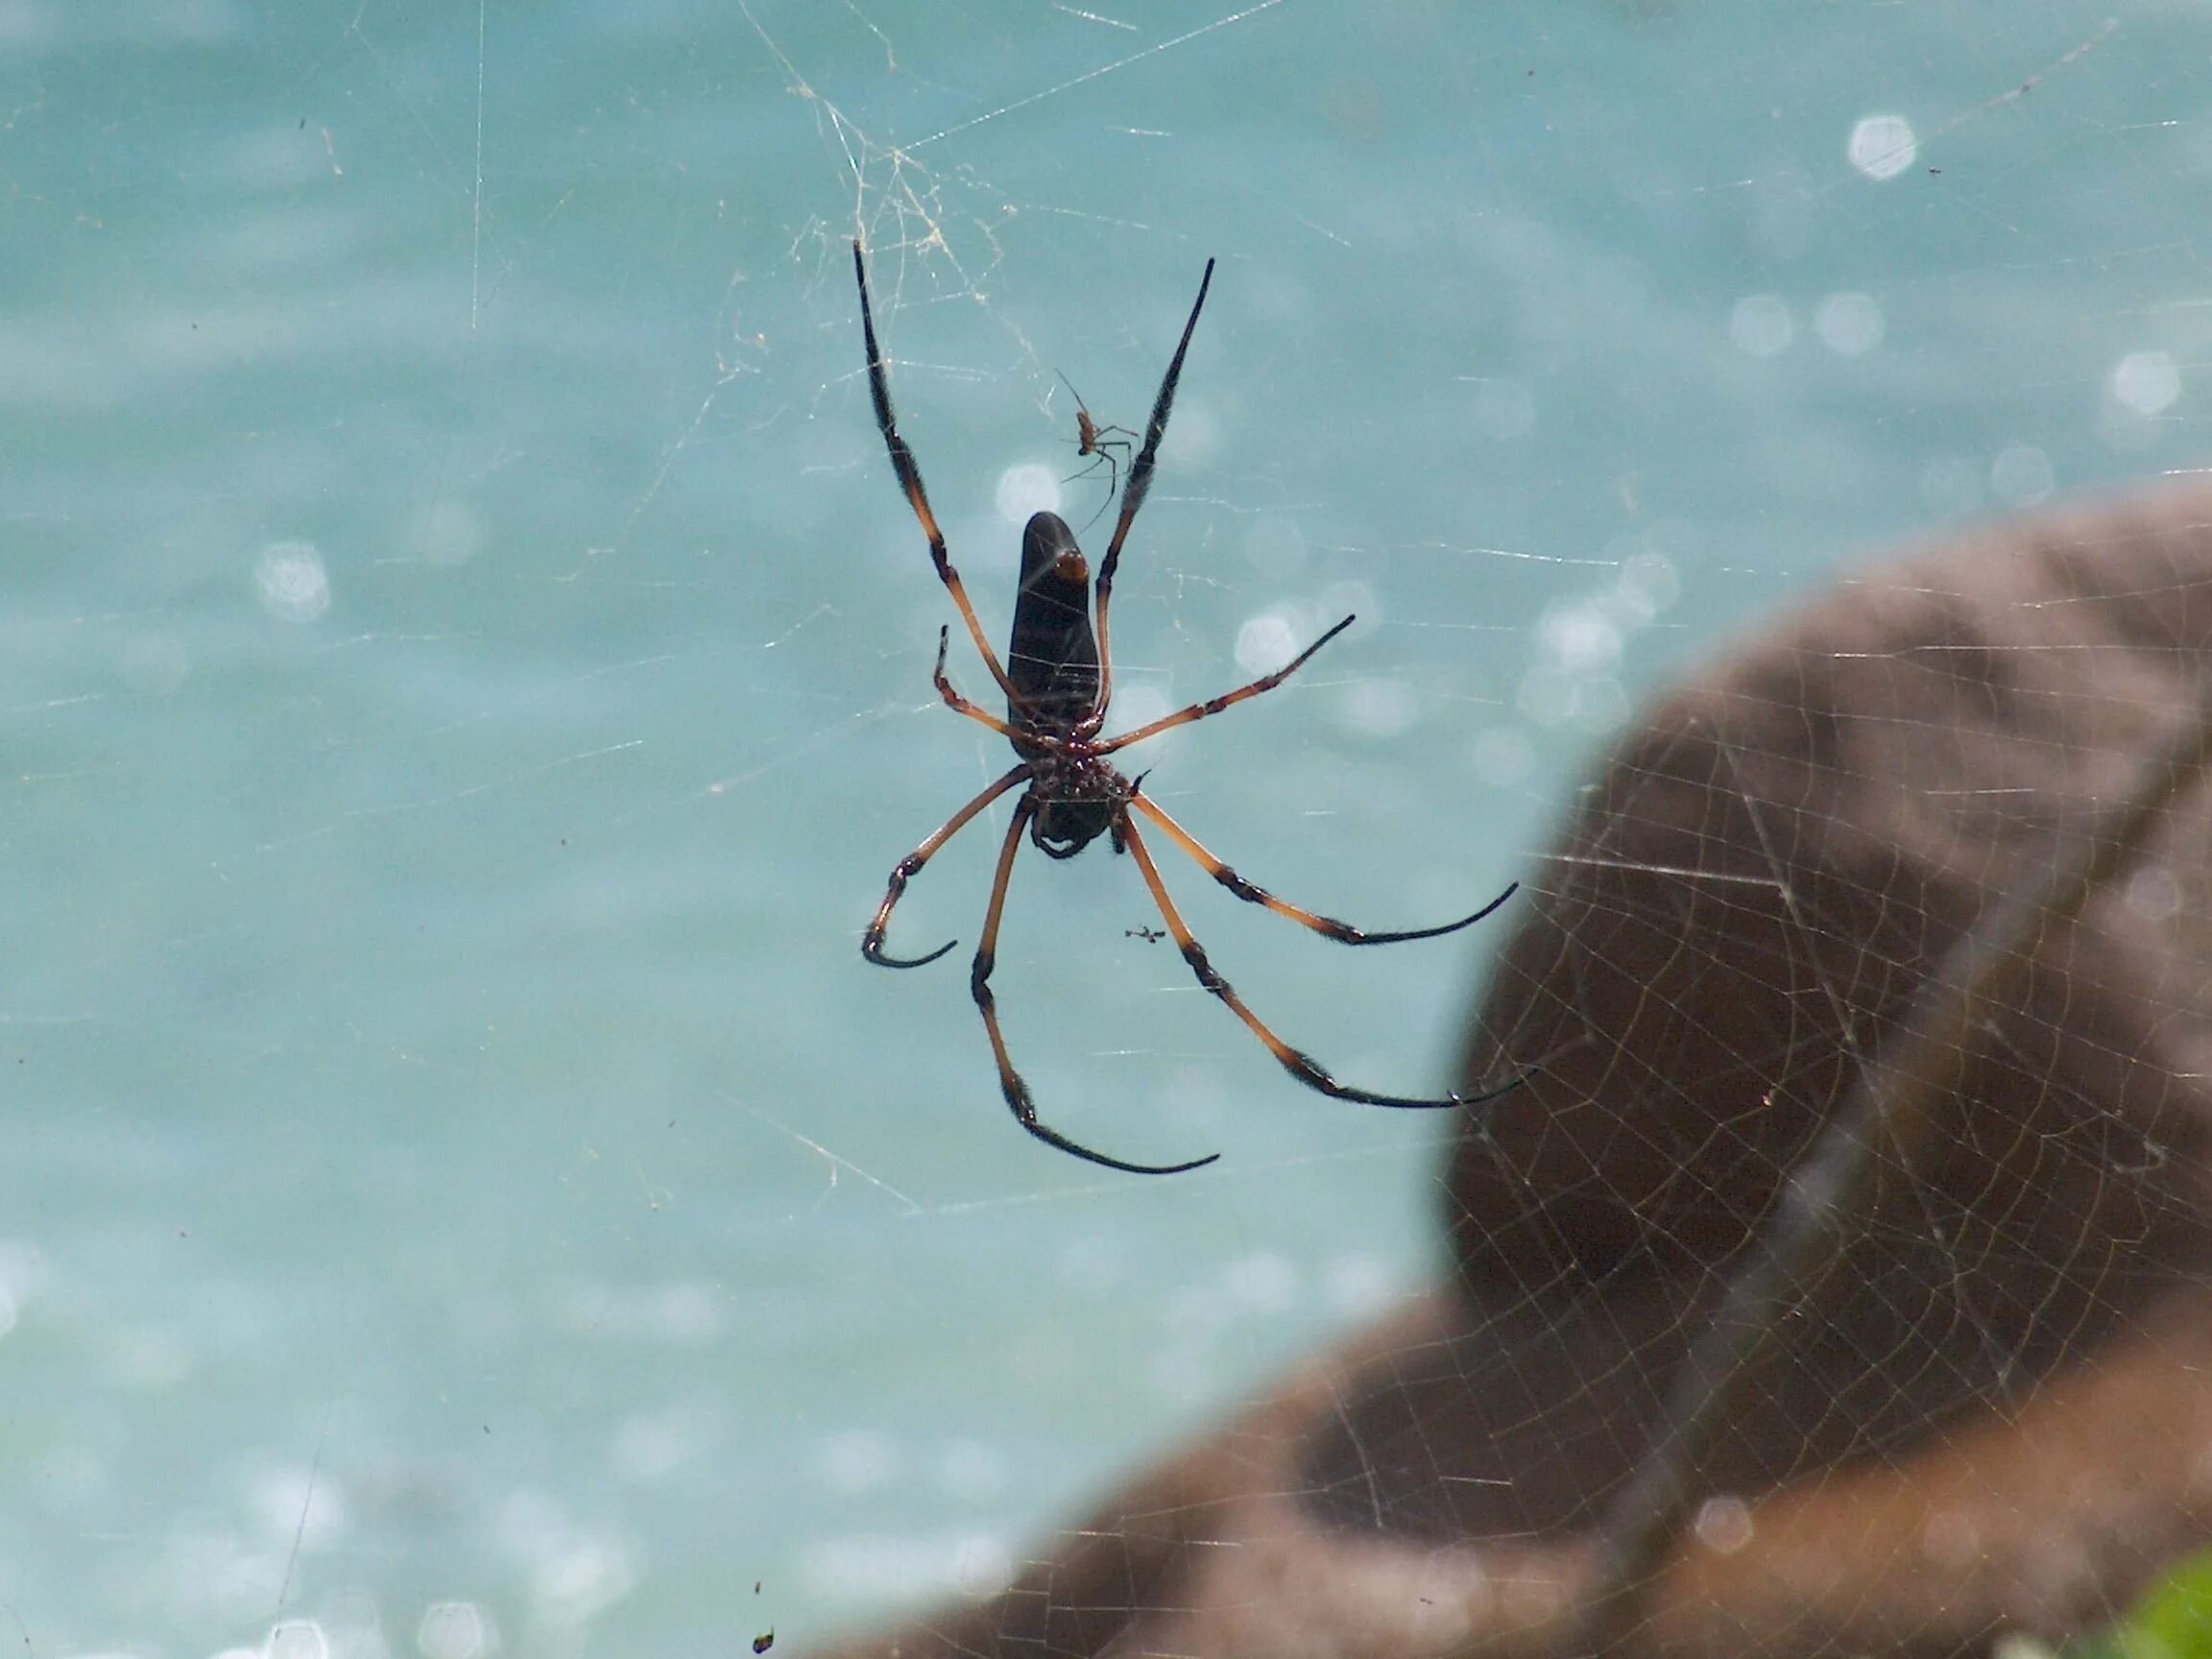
(1052, 657)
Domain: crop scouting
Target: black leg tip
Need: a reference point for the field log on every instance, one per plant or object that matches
(1076, 1149)
(884, 960)
(1511, 1086)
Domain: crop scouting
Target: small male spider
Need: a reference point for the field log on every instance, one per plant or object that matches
(1058, 678)
(1098, 442)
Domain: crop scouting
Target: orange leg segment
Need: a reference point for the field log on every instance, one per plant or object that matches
(1010, 1083)
(1303, 1067)
(1328, 927)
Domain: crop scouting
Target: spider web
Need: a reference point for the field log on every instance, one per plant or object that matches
(470, 665)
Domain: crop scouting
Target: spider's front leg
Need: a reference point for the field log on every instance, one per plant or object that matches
(909, 474)
(958, 704)
(1213, 705)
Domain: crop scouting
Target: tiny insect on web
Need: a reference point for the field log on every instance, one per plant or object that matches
(1058, 678)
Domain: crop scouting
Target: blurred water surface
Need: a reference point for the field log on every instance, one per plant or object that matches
(466, 666)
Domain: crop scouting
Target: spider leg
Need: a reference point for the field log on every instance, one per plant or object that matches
(910, 866)
(1103, 447)
(960, 704)
(1017, 1092)
(1139, 485)
(1099, 458)
(910, 477)
(1328, 927)
(1303, 1067)
(1109, 498)
(1227, 700)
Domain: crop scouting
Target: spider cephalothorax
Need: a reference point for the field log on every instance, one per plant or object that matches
(1078, 799)
(1058, 678)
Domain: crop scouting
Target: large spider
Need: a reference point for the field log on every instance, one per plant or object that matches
(1058, 680)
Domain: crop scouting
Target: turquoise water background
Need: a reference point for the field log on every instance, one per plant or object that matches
(466, 671)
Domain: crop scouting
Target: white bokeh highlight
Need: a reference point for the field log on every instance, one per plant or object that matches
(1265, 642)
(2145, 382)
(1761, 325)
(1848, 323)
(2021, 475)
(1026, 488)
(1882, 146)
(291, 581)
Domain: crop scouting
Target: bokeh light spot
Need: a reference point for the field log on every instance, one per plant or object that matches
(1381, 707)
(291, 581)
(1265, 642)
(1761, 325)
(297, 1639)
(1723, 1525)
(1849, 324)
(456, 1630)
(1026, 488)
(2021, 475)
(1882, 146)
(452, 534)
(2145, 382)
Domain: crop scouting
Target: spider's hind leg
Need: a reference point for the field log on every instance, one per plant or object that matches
(1010, 1083)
